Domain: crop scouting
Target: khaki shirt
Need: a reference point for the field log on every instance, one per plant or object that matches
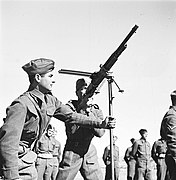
(168, 130)
(159, 149)
(142, 152)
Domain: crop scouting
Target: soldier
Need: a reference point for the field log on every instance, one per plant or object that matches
(56, 156)
(131, 162)
(168, 133)
(29, 115)
(142, 152)
(107, 160)
(45, 148)
(159, 149)
(79, 153)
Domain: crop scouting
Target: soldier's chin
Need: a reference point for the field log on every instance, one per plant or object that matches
(49, 90)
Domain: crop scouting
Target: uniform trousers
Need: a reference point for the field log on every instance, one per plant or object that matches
(26, 166)
(171, 164)
(27, 171)
(161, 169)
(108, 173)
(87, 164)
(55, 168)
(143, 170)
(44, 168)
(131, 169)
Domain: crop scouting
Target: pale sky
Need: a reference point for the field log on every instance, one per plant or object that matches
(81, 35)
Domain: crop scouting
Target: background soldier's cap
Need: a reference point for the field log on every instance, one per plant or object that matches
(39, 66)
(142, 131)
(115, 138)
(80, 83)
(173, 93)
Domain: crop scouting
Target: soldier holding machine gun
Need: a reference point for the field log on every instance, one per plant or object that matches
(96, 80)
(79, 153)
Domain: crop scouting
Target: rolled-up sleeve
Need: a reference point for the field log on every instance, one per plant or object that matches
(97, 131)
(10, 134)
(65, 114)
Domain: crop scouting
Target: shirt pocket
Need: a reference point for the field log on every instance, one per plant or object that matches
(141, 148)
(50, 110)
(32, 119)
(70, 158)
(91, 160)
(31, 125)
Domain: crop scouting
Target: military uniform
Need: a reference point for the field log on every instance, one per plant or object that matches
(159, 149)
(79, 154)
(131, 164)
(168, 133)
(142, 152)
(56, 158)
(44, 162)
(26, 120)
(107, 161)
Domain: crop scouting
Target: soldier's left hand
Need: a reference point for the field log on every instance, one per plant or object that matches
(108, 123)
(111, 122)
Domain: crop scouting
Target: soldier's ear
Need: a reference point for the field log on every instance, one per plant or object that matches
(37, 77)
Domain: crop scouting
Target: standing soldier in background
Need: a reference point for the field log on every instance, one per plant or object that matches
(28, 117)
(142, 152)
(56, 156)
(107, 160)
(79, 153)
(45, 148)
(168, 133)
(131, 162)
(159, 149)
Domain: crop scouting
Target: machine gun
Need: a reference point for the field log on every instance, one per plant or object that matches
(97, 77)
(96, 80)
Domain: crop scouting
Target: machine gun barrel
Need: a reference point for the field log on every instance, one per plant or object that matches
(113, 58)
(73, 72)
(97, 77)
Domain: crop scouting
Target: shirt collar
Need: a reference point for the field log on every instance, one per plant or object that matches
(37, 94)
(143, 140)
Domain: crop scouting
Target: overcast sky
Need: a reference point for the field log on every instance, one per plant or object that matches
(81, 35)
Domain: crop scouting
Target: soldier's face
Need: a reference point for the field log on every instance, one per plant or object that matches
(50, 132)
(81, 92)
(46, 82)
(145, 135)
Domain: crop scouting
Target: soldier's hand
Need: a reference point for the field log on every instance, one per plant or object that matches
(109, 123)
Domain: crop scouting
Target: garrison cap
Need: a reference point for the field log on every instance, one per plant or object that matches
(80, 83)
(132, 140)
(38, 66)
(142, 131)
(173, 93)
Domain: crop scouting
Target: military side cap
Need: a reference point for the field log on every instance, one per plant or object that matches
(173, 93)
(142, 131)
(39, 66)
(80, 83)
